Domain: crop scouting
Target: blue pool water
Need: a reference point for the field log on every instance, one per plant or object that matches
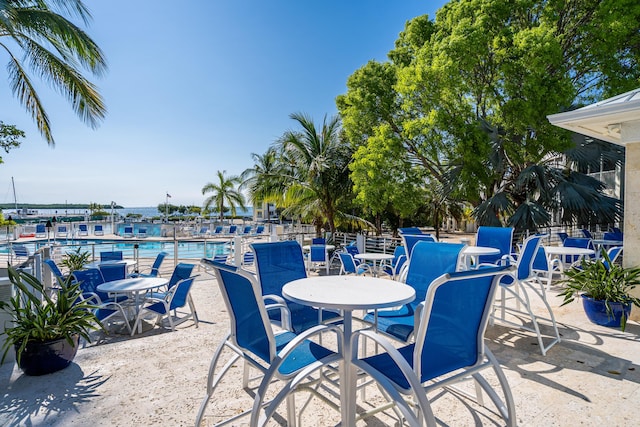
(186, 250)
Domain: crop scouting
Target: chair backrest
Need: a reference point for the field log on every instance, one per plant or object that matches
(540, 260)
(578, 242)
(218, 229)
(83, 228)
(613, 254)
(55, 270)
(248, 258)
(410, 230)
(250, 327)
(111, 256)
(246, 230)
(352, 249)
(562, 236)
(260, 229)
(89, 280)
(278, 263)
(410, 240)
(586, 233)
(20, 251)
(348, 263)
(180, 292)
(451, 331)
(155, 268)
(40, 229)
(62, 229)
(318, 253)
(397, 253)
(527, 257)
(494, 237)
(182, 271)
(111, 272)
(610, 235)
(233, 229)
(142, 231)
(430, 260)
(128, 231)
(97, 229)
(318, 241)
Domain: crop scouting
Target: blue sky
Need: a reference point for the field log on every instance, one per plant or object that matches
(194, 87)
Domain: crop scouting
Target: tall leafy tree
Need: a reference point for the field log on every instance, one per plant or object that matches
(467, 96)
(225, 192)
(263, 179)
(9, 137)
(54, 49)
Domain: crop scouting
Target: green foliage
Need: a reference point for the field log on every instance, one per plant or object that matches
(75, 260)
(9, 137)
(56, 50)
(46, 319)
(602, 280)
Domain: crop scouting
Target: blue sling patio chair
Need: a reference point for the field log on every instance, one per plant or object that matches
(89, 280)
(494, 237)
(448, 346)
(62, 231)
(409, 230)
(182, 271)
(128, 231)
(178, 296)
(142, 232)
(348, 265)
(517, 287)
(111, 256)
(232, 229)
(545, 268)
(586, 233)
(154, 271)
(410, 240)
(278, 263)
(55, 271)
(318, 255)
(429, 261)
(275, 354)
(217, 230)
(259, 230)
(399, 260)
(111, 272)
(20, 252)
(577, 242)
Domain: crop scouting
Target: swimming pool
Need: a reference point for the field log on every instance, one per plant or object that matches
(185, 249)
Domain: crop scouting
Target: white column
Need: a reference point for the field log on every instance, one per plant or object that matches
(631, 254)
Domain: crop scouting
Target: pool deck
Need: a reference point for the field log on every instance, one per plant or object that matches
(157, 378)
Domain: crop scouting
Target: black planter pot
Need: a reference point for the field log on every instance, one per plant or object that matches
(40, 358)
(597, 312)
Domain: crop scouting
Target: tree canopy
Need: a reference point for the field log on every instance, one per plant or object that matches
(465, 97)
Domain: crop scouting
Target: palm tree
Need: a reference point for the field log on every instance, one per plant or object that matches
(263, 179)
(53, 48)
(317, 170)
(224, 191)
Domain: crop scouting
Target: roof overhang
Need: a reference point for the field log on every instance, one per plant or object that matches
(615, 120)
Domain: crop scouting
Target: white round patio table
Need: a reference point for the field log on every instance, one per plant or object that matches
(133, 285)
(97, 264)
(348, 293)
(375, 258)
(471, 254)
(562, 251)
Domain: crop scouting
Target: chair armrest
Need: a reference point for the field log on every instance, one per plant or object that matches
(285, 314)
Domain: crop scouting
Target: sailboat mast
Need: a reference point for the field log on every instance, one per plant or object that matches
(15, 199)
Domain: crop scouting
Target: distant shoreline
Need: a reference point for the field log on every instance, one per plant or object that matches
(4, 206)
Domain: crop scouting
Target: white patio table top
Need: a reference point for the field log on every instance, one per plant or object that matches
(348, 293)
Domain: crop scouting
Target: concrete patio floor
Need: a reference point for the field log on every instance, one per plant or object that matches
(157, 378)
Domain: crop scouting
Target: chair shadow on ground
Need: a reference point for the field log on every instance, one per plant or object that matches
(29, 400)
(517, 351)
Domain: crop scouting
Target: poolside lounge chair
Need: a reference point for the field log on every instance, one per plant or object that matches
(281, 354)
(246, 230)
(20, 252)
(177, 297)
(142, 232)
(217, 231)
(41, 230)
(83, 230)
(448, 347)
(62, 231)
(204, 231)
(232, 229)
(128, 231)
(97, 230)
(259, 230)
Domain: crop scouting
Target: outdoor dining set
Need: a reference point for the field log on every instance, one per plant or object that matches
(426, 307)
(410, 321)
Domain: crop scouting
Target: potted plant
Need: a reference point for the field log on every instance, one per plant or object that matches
(45, 331)
(604, 288)
(75, 260)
